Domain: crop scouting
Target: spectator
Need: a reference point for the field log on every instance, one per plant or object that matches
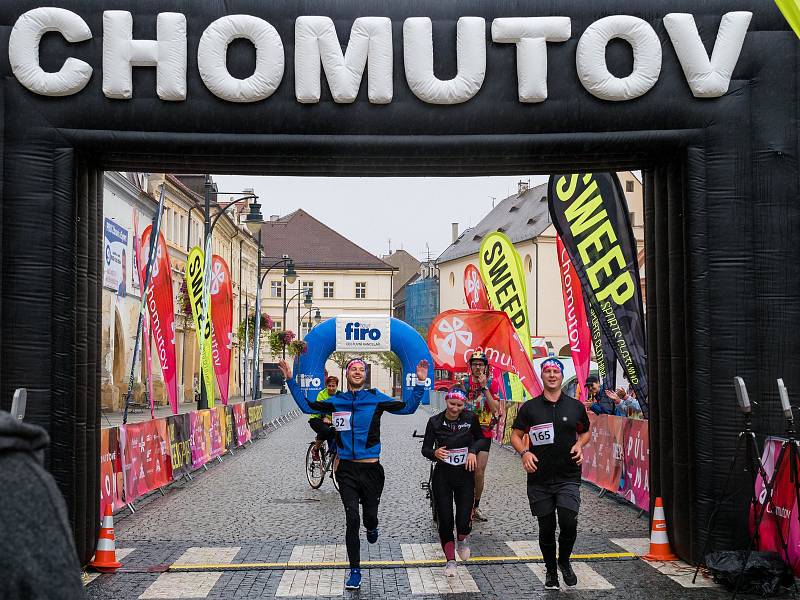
(625, 403)
(599, 403)
(37, 553)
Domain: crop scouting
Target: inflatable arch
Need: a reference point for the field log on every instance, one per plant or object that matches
(701, 96)
(407, 344)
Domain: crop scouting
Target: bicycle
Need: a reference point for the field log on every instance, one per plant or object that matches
(317, 469)
(428, 485)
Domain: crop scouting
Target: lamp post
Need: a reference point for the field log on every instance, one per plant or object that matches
(317, 316)
(307, 301)
(290, 275)
(253, 222)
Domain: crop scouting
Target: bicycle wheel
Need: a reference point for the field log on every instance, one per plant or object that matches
(314, 471)
(333, 478)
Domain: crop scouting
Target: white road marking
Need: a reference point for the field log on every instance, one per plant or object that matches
(432, 580)
(207, 556)
(121, 553)
(677, 570)
(319, 553)
(313, 582)
(588, 578)
(181, 585)
(422, 552)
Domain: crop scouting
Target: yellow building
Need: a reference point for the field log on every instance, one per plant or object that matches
(525, 218)
(125, 197)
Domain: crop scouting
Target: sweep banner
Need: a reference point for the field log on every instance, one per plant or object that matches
(222, 321)
(580, 338)
(502, 274)
(194, 283)
(591, 216)
(162, 313)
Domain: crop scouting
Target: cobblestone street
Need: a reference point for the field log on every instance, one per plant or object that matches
(255, 517)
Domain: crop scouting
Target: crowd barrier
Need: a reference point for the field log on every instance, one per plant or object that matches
(139, 458)
(779, 530)
(617, 458)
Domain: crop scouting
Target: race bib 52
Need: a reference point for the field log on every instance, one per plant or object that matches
(341, 421)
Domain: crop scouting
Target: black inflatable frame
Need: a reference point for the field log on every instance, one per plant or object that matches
(721, 183)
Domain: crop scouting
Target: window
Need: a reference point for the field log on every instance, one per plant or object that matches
(277, 325)
(361, 289)
(308, 287)
(276, 289)
(452, 279)
(629, 186)
(182, 236)
(528, 263)
(632, 215)
(327, 289)
(305, 328)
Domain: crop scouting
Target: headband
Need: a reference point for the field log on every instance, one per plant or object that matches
(554, 363)
(354, 361)
(457, 394)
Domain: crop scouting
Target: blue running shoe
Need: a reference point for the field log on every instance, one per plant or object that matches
(354, 580)
(372, 535)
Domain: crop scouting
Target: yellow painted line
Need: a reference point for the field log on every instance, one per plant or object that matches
(385, 563)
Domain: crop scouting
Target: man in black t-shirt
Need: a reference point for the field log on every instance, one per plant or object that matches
(549, 434)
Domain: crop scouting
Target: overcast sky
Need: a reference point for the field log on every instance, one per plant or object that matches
(412, 211)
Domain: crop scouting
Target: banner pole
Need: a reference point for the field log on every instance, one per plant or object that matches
(153, 239)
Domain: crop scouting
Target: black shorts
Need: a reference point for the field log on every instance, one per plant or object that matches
(545, 497)
(360, 482)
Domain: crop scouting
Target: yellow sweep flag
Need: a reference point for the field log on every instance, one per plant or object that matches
(194, 283)
(791, 12)
(504, 278)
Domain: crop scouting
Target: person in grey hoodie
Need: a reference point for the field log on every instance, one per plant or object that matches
(38, 560)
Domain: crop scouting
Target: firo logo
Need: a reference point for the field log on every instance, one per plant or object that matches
(355, 331)
(411, 380)
(307, 381)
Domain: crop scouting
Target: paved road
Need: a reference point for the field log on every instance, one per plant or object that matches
(256, 507)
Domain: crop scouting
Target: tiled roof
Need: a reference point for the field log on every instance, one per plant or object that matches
(313, 245)
(521, 217)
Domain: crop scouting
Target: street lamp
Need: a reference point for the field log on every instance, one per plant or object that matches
(317, 316)
(253, 222)
(290, 275)
(307, 302)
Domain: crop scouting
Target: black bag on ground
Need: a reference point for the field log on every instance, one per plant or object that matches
(765, 574)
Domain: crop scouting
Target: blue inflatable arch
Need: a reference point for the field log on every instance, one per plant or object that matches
(407, 343)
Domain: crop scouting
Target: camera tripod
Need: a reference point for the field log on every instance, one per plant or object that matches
(746, 444)
(790, 449)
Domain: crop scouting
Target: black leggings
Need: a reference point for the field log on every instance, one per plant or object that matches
(453, 484)
(568, 532)
(359, 483)
(323, 430)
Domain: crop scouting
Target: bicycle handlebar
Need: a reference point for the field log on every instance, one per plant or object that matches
(416, 435)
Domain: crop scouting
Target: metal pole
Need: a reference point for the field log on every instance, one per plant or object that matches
(203, 402)
(246, 347)
(284, 312)
(256, 341)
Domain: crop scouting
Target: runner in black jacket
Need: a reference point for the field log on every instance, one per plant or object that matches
(453, 439)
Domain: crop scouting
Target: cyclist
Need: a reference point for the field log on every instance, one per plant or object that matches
(482, 393)
(322, 423)
(453, 439)
(549, 434)
(357, 420)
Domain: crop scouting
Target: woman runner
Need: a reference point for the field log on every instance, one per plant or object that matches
(453, 439)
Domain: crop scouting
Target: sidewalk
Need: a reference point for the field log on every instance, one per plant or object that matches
(114, 419)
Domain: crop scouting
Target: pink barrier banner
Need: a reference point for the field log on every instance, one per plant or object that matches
(146, 462)
(603, 455)
(637, 464)
(200, 423)
(243, 434)
(780, 529)
(217, 431)
(111, 482)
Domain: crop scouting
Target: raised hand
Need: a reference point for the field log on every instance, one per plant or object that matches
(422, 371)
(286, 370)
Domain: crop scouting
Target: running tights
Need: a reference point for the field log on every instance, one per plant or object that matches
(453, 484)
(568, 532)
(359, 483)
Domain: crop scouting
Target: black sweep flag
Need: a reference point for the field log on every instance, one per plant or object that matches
(591, 216)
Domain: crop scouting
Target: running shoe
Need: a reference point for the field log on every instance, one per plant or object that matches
(450, 569)
(462, 547)
(551, 580)
(372, 535)
(568, 574)
(477, 516)
(354, 580)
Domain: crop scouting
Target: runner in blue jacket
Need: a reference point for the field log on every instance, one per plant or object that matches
(357, 420)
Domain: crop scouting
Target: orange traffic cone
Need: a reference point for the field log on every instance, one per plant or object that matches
(659, 542)
(105, 559)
